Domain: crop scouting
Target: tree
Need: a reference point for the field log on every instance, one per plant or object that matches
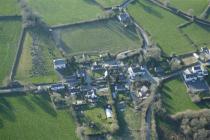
(152, 53)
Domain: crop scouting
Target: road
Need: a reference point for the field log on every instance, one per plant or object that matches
(148, 123)
(144, 35)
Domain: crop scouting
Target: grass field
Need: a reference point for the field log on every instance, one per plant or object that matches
(9, 7)
(197, 6)
(49, 52)
(175, 97)
(33, 117)
(162, 25)
(9, 35)
(110, 3)
(101, 36)
(65, 11)
(199, 34)
(129, 119)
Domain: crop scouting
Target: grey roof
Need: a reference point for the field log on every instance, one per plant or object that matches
(59, 61)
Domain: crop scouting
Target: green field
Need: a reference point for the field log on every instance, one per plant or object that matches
(199, 34)
(175, 97)
(129, 119)
(65, 11)
(9, 7)
(197, 6)
(162, 25)
(110, 3)
(25, 68)
(108, 35)
(33, 117)
(9, 35)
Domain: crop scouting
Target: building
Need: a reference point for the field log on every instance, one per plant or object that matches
(59, 64)
(143, 92)
(81, 73)
(91, 96)
(74, 91)
(57, 87)
(196, 72)
(205, 56)
(136, 71)
(72, 80)
(189, 76)
(97, 67)
(108, 112)
(124, 18)
(120, 88)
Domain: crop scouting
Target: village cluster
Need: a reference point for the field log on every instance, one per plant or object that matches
(93, 80)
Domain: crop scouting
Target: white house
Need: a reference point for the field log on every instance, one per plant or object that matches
(57, 87)
(59, 63)
(196, 72)
(136, 71)
(189, 76)
(108, 112)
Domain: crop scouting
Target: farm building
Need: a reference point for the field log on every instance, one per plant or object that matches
(59, 63)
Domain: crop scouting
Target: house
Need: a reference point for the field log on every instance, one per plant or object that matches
(73, 90)
(121, 78)
(143, 91)
(108, 111)
(97, 67)
(112, 65)
(119, 88)
(59, 64)
(72, 80)
(196, 72)
(205, 55)
(189, 76)
(136, 71)
(124, 18)
(81, 73)
(57, 87)
(91, 96)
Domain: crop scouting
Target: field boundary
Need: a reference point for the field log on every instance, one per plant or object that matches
(12, 17)
(181, 13)
(63, 26)
(18, 54)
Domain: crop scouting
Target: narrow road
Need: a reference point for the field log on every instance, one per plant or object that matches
(148, 123)
(126, 3)
(144, 35)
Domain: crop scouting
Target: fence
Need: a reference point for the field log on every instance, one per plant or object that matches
(18, 54)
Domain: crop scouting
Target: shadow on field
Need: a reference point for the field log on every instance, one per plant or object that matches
(6, 111)
(115, 27)
(25, 102)
(123, 131)
(1, 123)
(43, 101)
(205, 28)
(149, 9)
(91, 2)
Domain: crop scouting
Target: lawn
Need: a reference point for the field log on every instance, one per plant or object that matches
(9, 7)
(107, 35)
(198, 33)
(27, 68)
(110, 3)
(175, 97)
(9, 35)
(162, 25)
(65, 11)
(33, 117)
(197, 6)
(96, 115)
(129, 120)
